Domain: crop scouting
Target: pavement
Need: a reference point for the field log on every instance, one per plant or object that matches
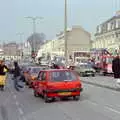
(95, 104)
(102, 81)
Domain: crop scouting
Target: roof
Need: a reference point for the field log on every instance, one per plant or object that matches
(52, 70)
(80, 27)
(35, 66)
(116, 16)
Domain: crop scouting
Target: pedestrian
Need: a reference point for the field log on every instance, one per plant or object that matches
(17, 76)
(116, 69)
(3, 70)
(55, 66)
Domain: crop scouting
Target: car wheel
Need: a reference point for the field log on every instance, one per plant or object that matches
(93, 75)
(76, 98)
(36, 94)
(81, 75)
(47, 100)
(104, 73)
(30, 86)
(26, 83)
(53, 99)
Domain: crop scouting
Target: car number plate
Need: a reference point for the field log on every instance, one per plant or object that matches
(65, 93)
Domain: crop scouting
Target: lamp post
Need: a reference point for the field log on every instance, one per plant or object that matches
(21, 40)
(65, 32)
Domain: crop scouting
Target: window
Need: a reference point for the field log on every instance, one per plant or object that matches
(85, 66)
(42, 76)
(109, 60)
(36, 70)
(60, 76)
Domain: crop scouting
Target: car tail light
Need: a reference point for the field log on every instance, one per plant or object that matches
(78, 86)
(50, 87)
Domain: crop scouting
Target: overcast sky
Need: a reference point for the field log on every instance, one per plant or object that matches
(87, 13)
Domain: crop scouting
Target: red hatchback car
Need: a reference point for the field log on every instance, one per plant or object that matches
(57, 83)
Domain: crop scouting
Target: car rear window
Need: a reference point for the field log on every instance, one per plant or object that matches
(35, 70)
(85, 66)
(63, 76)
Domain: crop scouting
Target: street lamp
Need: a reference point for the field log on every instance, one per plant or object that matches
(21, 40)
(65, 31)
(34, 28)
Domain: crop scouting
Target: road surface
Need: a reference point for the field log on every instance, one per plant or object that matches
(95, 104)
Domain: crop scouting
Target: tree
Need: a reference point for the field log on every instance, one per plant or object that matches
(36, 40)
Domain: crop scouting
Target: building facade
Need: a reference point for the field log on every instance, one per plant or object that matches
(108, 34)
(26, 49)
(77, 40)
(11, 49)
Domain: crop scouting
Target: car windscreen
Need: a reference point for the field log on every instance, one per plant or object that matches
(35, 70)
(60, 64)
(85, 66)
(59, 76)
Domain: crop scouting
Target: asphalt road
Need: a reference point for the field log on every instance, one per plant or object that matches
(95, 104)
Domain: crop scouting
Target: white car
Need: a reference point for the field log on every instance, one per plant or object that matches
(44, 62)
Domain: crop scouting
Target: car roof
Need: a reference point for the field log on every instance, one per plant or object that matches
(32, 67)
(53, 70)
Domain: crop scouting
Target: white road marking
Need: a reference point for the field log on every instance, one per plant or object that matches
(113, 110)
(92, 102)
(118, 106)
(20, 111)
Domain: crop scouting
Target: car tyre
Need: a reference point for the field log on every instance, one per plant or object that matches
(53, 99)
(81, 74)
(26, 83)
(93, 75)
(46, 98)
(36, 94)
(30, 86)
(104, 73)
(76, 98)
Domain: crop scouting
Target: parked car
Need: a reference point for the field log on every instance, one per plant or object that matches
(85, 70)
(57, 83)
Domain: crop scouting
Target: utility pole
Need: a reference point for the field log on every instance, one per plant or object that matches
(65, 32)
(21, 41)
(34, 30)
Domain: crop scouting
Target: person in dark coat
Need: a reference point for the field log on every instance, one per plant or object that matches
(54, 66)
(17, 76)
(116, 67)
